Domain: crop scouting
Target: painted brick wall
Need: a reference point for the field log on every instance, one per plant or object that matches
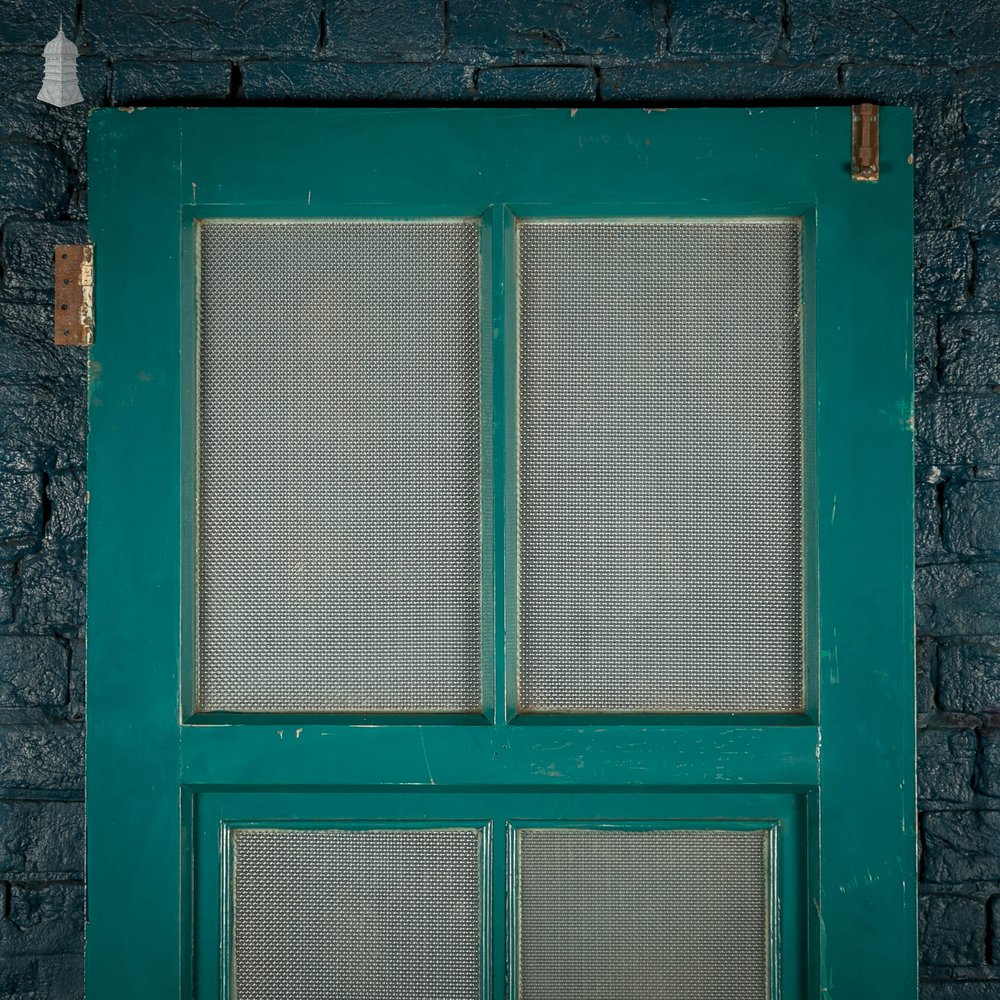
(941, 58)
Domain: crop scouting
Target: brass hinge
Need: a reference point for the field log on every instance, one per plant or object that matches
(864, 142)
(74, 295)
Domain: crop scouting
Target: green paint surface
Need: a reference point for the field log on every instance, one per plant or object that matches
(836, 783)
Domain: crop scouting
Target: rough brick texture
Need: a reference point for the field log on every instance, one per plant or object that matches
(939, 58)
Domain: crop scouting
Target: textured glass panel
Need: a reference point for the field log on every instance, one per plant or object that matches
(659, 467)
(642, 915)
(357, 914)
(338, 474)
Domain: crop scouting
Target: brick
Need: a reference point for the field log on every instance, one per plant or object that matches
(331, 81)
(927, 673)
(60, 977)
(44, 426)
(43, 919)
(910, 31)
(140, 82)
(42, 757)
(601, 31)
(66, 495)
(74, 710)
(969, 677)
(943, 267)
(28, 251)
(41, 840)
(946, 758)
(541, 83)
(972, 518)
(665, 84)
(33, 178)
(925, 353)
(52, 592)
(952, 930)
(959, 430)
(927, 515)
(971, 990)
(986, 275)
(961, 846)
(207, 27)
(751, 29)
(987, 776)
(977, 198)
(938, 179)
(33, 22)
(980, 91)
(34, 671)
(28, 356)
(931, 91)
(20, 513)
(969, 358)
(393, 31)
(958, 599)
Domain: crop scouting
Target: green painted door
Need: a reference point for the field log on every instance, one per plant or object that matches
(500, 556)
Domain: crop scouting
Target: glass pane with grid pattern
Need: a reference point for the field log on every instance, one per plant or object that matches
(357, 914)
(642, 914)
(339, 553)
(659, 458)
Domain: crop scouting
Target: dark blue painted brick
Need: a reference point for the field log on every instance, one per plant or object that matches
(27, 254)
(33, 22)
(959, 430)
(537, 83)
(66, 495)
(138, 82)
(932, 92)
(925, 358)
(952, 930)
(7, 593)
(977, 198)
(969, 677)
(59, 977)
(34, 671)
(42, 758)
(210, 27)
(927, 513)
(972, 518)
(927, 672)
(961, 846)
(20, 513)
(390, 31)
(987, 271)
(589, 31)
(33, 178)
(970, 990)
(969, 357)
(943, 261)
(938, 177)
(750, 28)
(41, 840)
(958, 599)
(947, 758)
(43, 919)
(666, 84)
(28, 356)
(43, 426)
(909, 31)
(52, 592)
(987, 777)
(981, 117)
(332, 81)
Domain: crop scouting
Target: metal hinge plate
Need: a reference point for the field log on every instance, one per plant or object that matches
(864, 142)
(74, 325)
